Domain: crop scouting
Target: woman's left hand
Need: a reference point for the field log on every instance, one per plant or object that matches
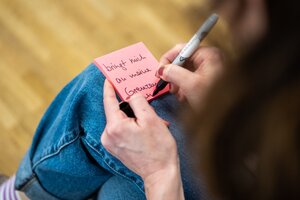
(144, 144)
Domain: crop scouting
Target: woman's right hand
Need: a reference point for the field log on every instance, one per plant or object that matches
(191, 81)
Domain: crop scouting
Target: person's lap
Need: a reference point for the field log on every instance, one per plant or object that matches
(67, 160)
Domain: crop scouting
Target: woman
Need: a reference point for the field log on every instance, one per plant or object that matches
(245, 119)
(237, 113)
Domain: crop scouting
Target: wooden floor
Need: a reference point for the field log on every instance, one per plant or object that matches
(44, 43)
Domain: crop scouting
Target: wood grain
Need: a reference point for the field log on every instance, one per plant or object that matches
(44, 43)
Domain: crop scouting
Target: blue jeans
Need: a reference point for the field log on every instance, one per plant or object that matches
(67, 160)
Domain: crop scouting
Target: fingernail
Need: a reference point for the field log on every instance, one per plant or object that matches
(160, 71)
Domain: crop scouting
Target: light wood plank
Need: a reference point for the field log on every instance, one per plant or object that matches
(44, 44)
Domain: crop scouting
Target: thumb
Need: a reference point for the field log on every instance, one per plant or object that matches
(178, 76)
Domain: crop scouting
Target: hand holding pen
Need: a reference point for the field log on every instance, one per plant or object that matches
(190, 47)
(205, 63)
(184, 82)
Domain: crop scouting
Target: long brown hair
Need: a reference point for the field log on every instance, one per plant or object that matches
(247, 134)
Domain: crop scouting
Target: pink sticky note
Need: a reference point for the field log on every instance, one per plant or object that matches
(131, 70)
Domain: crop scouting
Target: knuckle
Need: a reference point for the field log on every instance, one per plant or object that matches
(136, 97)
(106, 142)
(113, 129)
(150, 119)
(215, 53)
(109, 129)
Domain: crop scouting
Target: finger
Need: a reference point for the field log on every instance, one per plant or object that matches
(141, 107)
(111, 104)
(170, 55)
(179, 76)
(207, 54)
(173, 88)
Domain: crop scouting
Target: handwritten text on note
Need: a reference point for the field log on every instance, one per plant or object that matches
(131, 70)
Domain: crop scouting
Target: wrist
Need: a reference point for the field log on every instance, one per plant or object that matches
(164, 184)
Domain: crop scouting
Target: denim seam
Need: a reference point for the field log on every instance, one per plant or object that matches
(44, 157)
(56, 152)
(124, 176)
(76, 96)
(28, 183)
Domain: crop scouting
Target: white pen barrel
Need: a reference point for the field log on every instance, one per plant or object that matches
(187, 51)
(194, 42)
